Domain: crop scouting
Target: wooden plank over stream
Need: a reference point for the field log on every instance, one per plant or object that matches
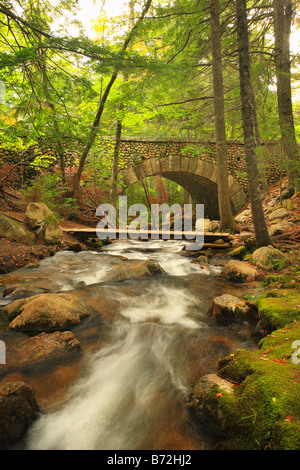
(146, 234)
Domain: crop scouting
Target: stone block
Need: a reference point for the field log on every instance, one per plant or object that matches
(192, 164)
(234, 188)
(207, 170)
(147, 168)
(139, 171)
(155, 164)
(130, 173)
(200, 167)
(239, 199)
(214, 175)
(164, 163)
(184, 165)
(174, 162)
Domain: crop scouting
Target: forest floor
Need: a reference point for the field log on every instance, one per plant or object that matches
(15, 255)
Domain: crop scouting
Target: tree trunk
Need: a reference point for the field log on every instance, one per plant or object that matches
(50, 104)
(115, 164)
(259, 149)
(260, 226)
(227, 221)
(282, 11)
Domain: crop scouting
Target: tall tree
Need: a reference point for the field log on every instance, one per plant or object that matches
(227, 220)
(116, 154)
(93, 132)
(261, 231)
(283, 11)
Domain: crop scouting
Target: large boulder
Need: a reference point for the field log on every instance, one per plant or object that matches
(13, 230)
(51, 232)
(137, 270)
(278, 214)
(18, 409)
(212, 227)
(43, 347)
(227, 308)
(46, 313)
(239, 271)
(268, 257)
(36, 214)
(281, 227)
(206, 223)
(39, 217)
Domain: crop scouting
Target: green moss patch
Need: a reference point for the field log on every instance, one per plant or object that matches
(278, 307)
(265, 412)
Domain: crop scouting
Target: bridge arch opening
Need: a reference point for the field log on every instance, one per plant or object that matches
(197, 177)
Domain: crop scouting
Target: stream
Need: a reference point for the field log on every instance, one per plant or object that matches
(151, 342)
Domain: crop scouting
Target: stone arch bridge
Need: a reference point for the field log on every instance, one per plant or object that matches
(192, 165)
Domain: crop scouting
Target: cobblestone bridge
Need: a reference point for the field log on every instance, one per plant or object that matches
(192, 165)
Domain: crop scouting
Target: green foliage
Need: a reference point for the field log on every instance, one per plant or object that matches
(49, 189)
(54, 82)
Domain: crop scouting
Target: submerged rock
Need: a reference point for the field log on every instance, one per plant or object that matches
(43, 347)
(18, 409)
(20, 290)
(138, 270)
(46, 313)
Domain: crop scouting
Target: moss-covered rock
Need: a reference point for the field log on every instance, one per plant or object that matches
(266, 407)
(228, 308)
(277, 308)
(38, 216)
(13, 230)
(262, 411)
(238, 253)
(285, 281)
(269, 258)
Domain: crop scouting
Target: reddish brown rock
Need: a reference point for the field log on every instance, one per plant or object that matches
(46, 313)
(43, 347)
(18, 409)
(227, 308)
(239, 271)
(137, 270)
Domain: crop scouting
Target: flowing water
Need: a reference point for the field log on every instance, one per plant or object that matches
(151, 341)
